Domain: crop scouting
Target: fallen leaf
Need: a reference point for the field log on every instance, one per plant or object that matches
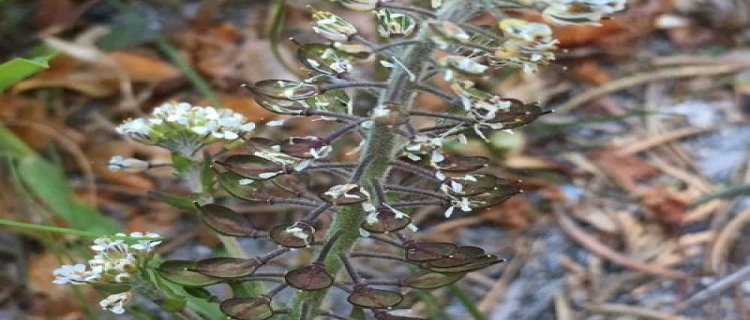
(591, 72)
(666, 206)
(625, 171)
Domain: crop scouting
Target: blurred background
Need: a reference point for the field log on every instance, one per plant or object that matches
(636, 202)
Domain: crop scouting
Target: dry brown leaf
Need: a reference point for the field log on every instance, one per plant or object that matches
(97, 79)
(229, 57)
(579, 35)
(626, 171)
(16, 108)
(515, 213)
(50, 300)
(666, 206)
(591, 72)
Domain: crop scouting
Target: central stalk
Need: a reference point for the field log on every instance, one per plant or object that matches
(381, 145)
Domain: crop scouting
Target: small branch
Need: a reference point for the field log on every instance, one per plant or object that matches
(331, 165)
(386, 241)
(391, 45)
(312, 112)
(716, 288)
(408, 167)
(440, 115)
(417, 191)
(350, 270)
(412, 9)
(346, 85)
(439, 93)
(417, 203)
(342, 131)
(294, 202)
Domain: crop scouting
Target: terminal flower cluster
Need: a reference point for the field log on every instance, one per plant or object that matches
(116, 262)
(184, 128)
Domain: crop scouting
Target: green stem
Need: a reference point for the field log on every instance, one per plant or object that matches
(382, 144)
(468, 303)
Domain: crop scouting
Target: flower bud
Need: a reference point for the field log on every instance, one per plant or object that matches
(118, 163)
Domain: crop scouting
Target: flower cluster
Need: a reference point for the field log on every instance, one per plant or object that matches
(184, 128)
(116, 262)
(528, 45)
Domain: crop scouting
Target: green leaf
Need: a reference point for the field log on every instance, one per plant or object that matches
(177, 201)
(178, 271)
(48, 183)
(18, 69)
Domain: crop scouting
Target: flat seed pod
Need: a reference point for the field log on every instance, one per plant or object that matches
(241, 187)
(226, 221)
(388, 316)
(299, 235)
(495, 196)
(410, 299)
(462, 164)
(476, 264)
(518, 114)
(284, 89)
(431, 280)
(475, 184)
(310, 278)
(253, 308)
(252, 167)
(371, 298)
(226, 267)
(426, 251)
(387, 221)
(305, 147)
(178, 271)
(461, 256)
(324, 59)
(281, 106)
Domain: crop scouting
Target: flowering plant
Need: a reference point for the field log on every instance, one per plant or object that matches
(402, 163)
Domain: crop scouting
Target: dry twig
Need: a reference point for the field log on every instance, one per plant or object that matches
(596, 247)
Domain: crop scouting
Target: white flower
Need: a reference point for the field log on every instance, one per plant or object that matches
(529, 45)
(115, 261)
(145, 245)
(73, 274)
(118, 163)
(116, 303)
(463, 203)
(184, 128)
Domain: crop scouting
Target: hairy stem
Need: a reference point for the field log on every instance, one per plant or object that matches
(382, 142)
